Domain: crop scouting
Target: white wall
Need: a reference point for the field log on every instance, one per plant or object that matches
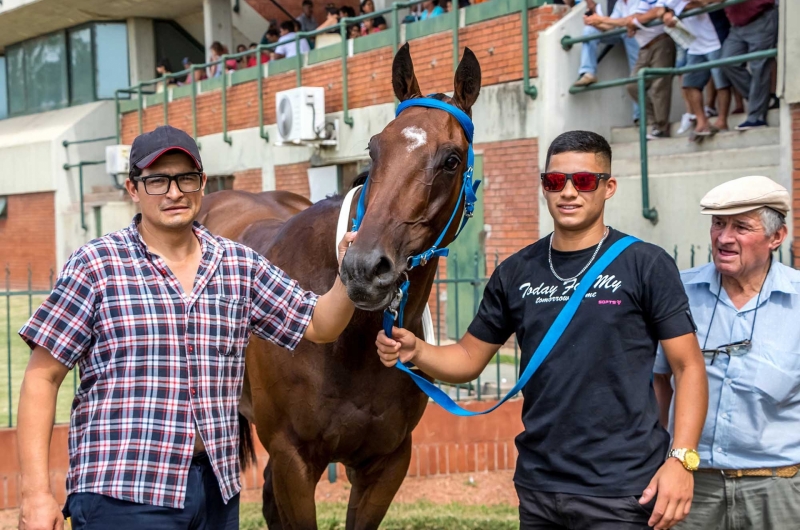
(141, 49)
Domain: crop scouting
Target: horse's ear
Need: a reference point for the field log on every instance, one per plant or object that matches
(404, 81)
(467, 81)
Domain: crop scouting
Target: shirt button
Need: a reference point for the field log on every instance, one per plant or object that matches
(741, 315)
(724, 415)
(194, 391)
(719, 449)
(727, 381)
(190, 349)
(191, 435)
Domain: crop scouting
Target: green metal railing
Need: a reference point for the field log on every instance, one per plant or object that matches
(567, 41)
(80, 166)
(142, 89)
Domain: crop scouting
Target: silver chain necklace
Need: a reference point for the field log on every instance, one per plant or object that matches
(550, 258)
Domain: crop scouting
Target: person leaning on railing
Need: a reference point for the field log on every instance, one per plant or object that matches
(705, 47)
(746, 305)
(656, 50)
(754, 28)
(595, 24)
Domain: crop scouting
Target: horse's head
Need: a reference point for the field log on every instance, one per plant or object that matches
(415, 182)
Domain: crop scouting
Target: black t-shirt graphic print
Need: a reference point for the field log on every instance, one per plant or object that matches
(590, 413)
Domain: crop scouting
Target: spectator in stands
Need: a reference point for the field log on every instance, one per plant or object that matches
(334, 14)
(754, 27)
(286, 44)
(163, 68)
(372, 25)
(199, 73)
(704, 48)
(656, 50)
(596, 23)
(348, 12)
(217, 51)
(306, 19)
(252, 60)
(353, 31)
(241, 62)
(430, 9)
(271, 36)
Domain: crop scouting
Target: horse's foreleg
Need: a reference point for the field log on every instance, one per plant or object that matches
(374, 487)
(269, 507)
(293, 483)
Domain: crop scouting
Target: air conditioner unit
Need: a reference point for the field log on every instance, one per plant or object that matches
(300, 114)
(117, 159)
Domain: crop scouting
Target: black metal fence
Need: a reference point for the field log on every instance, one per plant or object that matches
(457, 297)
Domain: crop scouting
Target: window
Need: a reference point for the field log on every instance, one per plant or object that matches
(71, 67)
(111, 56)
(218, 183)
(81, 75)
(46, 72)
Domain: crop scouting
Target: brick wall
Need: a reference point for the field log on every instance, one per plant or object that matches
(30, 230)
(510, 200)
(795, 110)
(294, 178)
(442, 444)
(248, 180)
(495, 42)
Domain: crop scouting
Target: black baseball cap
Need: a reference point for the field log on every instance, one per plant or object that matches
(148, 147)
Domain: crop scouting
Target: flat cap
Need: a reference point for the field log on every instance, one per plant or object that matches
(744, 195)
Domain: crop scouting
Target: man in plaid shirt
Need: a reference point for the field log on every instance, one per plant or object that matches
(157, 316)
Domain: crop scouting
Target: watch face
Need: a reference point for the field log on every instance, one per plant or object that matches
(692, 459)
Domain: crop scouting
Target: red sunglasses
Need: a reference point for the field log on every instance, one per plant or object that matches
(582, 180)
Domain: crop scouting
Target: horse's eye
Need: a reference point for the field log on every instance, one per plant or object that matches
(452, 162)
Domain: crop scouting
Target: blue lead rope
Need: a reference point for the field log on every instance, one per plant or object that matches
(545, 347)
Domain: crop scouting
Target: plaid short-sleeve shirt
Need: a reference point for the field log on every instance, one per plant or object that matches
(155, 361)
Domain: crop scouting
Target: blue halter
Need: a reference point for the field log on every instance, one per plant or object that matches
(468, 192)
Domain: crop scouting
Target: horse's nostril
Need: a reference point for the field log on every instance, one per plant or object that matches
(382, 267)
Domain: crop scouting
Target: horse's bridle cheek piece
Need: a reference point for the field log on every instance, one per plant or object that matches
(468, 191)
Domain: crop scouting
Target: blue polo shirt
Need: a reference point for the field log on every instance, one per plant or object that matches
(753, 416)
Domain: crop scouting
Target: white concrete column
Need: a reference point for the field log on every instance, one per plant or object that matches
(141, 50)
(217, 24)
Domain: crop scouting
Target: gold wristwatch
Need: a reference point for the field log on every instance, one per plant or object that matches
(688, 457)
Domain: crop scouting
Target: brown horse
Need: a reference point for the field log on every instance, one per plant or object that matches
(337, 402)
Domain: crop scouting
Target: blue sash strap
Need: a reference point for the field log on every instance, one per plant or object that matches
(545, 347)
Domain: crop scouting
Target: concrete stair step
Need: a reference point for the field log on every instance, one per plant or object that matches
(728, 159)
(681, 145)
(621, 135)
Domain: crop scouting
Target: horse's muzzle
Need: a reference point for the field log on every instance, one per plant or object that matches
(370, 277)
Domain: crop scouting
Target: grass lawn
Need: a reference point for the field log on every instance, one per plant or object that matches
(420, 515)
(17, 357)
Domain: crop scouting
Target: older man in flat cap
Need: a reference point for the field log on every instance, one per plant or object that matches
(746, 306)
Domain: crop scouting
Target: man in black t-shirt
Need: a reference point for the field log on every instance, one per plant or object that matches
(593, 454)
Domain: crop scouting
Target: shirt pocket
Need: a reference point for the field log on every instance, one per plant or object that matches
(778, 377)
(231, 326)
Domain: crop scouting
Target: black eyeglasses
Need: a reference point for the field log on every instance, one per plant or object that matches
(159, 184)
(582, 180)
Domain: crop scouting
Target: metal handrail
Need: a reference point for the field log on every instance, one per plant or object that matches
(567, 42)
(80, 166)
(342, 27)
(67, 143)
(641, 79)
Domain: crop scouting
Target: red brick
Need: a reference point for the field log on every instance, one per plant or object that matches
(28, 232)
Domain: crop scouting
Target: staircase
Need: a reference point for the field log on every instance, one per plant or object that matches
(681, 173)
